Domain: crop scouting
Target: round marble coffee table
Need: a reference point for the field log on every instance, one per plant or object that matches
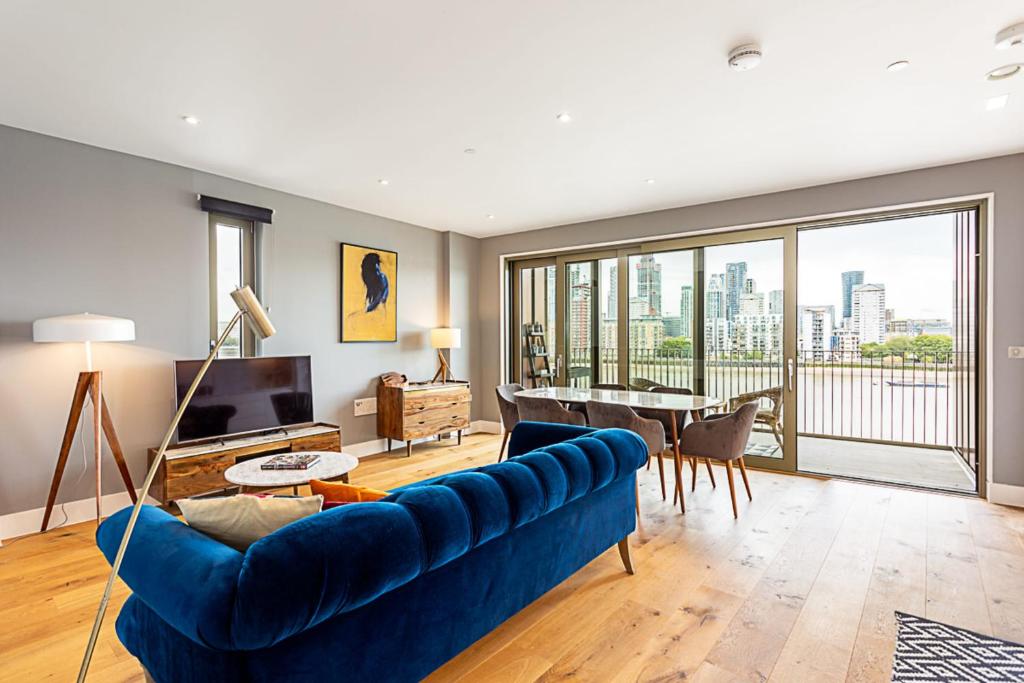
(250, 476)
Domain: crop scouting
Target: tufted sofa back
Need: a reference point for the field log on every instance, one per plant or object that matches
(343, 558)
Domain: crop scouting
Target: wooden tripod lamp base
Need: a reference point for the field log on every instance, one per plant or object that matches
(90, 383)
(444, 338)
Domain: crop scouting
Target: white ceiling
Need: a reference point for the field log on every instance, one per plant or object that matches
(324, 97)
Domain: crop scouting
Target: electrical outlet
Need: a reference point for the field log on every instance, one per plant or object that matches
(1016, 352)
(365, 406)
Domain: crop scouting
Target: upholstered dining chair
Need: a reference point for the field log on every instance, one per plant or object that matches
(722, 437)
(509, 411)
(582, 407)
(537, 409)
(681, 419)
(608, 415)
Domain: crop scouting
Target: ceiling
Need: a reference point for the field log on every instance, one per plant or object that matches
(323, 98)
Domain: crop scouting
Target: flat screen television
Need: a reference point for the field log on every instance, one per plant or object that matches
(240, 395)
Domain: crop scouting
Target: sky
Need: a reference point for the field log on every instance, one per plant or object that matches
(912, 257)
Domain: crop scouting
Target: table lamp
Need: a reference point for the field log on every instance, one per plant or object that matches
(248, 305)
(87, 328)
(445, 338)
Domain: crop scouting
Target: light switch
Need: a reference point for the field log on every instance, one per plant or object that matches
(1016, 352)
(365, 406)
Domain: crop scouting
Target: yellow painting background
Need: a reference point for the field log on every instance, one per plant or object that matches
(356, 324)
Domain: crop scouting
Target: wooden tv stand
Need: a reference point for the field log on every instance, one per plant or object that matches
(198, 467)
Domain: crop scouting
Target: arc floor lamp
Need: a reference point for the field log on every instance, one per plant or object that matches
(248, 306)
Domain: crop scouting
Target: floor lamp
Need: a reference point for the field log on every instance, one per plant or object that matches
(86, 328)
(248, 306)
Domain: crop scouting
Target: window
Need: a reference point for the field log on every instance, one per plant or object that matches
(232, 265)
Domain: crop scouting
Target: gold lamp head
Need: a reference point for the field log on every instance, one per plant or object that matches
(249, 305)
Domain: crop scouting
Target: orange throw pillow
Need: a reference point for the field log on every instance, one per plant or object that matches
(338, 492)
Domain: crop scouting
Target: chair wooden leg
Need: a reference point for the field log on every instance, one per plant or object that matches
(732, 488)
(693, 466)
(661, 473)
(743, 473)
(504, 442)
(677, 496)
(627, 562)
(711, 472)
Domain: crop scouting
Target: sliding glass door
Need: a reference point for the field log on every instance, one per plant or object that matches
(871, 371)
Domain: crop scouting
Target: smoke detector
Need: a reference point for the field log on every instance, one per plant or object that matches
(745, 57)
(1011, 36)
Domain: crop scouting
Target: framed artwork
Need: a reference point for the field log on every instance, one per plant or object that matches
(369, 294)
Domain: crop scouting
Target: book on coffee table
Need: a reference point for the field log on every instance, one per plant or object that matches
(291, 461)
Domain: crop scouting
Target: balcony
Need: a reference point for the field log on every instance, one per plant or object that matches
(898, 418)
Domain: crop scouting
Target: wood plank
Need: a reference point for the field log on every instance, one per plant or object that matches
(897, 583)
(823, 637)
(955, 594)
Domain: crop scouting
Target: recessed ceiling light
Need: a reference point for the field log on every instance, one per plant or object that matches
(898, 66)
(469, 150)
(383, 181)
(490, 216)
(190, 120)
(1003, 72)
(1011, 36)
(564, 117)
(745, 57)
(649, 181)
(997, 102)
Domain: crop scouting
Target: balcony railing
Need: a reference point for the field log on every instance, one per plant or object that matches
(898, 398)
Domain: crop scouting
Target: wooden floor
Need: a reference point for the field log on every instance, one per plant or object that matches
(801, 588)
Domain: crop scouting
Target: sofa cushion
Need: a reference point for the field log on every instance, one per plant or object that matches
(340, 492)
(239, 521)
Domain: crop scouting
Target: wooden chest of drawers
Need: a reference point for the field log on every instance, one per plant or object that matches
(421, 410)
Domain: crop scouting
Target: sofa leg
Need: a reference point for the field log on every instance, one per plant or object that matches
(624, 554)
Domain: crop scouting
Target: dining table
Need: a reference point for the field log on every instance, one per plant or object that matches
(671, 404)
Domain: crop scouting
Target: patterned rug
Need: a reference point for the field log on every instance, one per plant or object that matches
(928, 651)
(764, 450)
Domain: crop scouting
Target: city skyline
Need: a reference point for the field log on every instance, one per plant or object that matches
(915, 266)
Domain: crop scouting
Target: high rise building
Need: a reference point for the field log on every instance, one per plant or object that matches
(751, 303)
(817, 324)
(648, 283)
(579, 315)
(714, 298)
(757, 333)
(869, 313)
(673, 326)
(851, 279)
(749, 286)
(775, 302)
(612, 311)
(686, 311)
(735, 279)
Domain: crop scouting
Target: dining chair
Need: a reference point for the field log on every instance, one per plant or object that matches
(536, 409)
(581, 407)
(723, 437)
(509, 411)
(641, 384)
(610, 415)
(681, 418)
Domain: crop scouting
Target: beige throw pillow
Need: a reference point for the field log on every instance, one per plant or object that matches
(239, 521)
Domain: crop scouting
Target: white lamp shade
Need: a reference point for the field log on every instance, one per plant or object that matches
(446, 338)
(83, 327)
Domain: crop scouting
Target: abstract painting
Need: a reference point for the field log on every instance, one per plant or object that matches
(369, 294)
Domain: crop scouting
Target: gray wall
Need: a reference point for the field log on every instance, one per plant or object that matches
(1003, 175)
(85, 229)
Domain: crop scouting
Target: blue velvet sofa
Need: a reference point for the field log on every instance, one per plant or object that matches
(384, 591)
